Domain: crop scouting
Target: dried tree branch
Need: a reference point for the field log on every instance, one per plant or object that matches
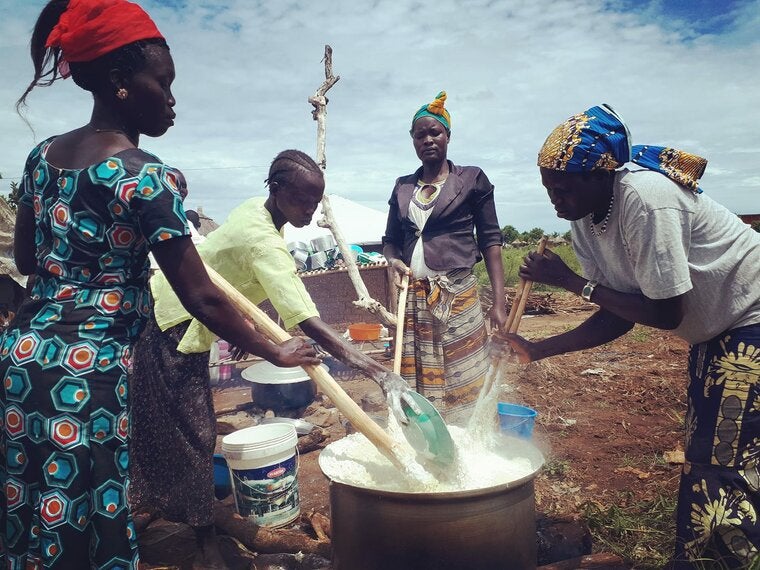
(319, 101)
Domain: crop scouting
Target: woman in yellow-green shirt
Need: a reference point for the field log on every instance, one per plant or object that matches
(173, 425)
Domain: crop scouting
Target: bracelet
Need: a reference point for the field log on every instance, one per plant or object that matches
(588, 290)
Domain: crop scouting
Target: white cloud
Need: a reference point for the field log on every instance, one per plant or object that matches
(512, 71)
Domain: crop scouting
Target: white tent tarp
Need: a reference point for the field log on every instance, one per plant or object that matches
(359, 224)
(7, 225)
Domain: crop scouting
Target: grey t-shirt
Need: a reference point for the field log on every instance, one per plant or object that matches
(664, 241)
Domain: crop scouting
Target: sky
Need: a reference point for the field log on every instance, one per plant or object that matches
(683, 73)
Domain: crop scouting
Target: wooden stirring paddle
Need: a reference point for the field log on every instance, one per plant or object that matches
(512, 324)
(521, 298)
(327, 384)
(400, 310)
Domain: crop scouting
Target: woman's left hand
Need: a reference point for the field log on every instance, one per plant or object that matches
(498, 316)
(547, 268)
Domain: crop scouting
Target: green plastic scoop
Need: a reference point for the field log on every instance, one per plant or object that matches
(427, 433)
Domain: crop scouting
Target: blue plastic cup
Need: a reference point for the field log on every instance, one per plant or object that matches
(516, 420)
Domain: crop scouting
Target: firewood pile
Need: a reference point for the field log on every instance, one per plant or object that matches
(539, 303)
(562, 544)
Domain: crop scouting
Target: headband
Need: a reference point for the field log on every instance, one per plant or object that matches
(88, 29)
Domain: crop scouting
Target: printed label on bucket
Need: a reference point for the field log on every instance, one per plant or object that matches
(268, 494)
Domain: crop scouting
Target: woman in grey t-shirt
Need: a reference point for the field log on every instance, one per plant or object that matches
(656, 251)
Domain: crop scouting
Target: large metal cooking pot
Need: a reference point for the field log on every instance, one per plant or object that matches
(298, 245)
(301, 258)
(318, 260)
(481, 529)
(323, 243)
(278, 389)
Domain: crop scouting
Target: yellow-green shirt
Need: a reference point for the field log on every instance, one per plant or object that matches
(249, 252)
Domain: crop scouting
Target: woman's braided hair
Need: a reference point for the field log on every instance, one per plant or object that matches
(288, 164)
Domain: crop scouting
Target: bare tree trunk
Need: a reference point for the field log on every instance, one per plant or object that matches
(319, 101)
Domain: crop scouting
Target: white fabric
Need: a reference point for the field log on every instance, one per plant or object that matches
(359, 224)
(195, 235)
(664, 241)
(420, 217)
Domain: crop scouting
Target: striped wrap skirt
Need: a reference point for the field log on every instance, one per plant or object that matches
(445, 353)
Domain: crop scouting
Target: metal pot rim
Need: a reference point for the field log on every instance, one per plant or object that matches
(534, 454)
(266, 373)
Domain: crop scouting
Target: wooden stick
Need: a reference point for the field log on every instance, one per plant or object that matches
(319, 101)
(400, 324)
(326, 383)
(319, 114)
(515, 304)
(601, 560)
(365, 300)
(525, 286)
(513, 322)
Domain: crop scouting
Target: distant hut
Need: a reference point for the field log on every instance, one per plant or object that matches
(556, 241)
(12, 283)
(207, 224)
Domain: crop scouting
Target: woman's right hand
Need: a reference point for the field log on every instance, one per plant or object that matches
(295, 352)
(399, 270)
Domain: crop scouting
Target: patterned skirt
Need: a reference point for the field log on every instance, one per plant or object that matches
(719, 497)
(173, 428)
(63, 440)
(445, 354)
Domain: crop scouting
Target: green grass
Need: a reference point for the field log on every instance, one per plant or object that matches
(512, 258)
(640, 333)
(647, 461)
(556, 468)
(641, 533)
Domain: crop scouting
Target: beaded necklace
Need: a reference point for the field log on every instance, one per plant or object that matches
(605, 221)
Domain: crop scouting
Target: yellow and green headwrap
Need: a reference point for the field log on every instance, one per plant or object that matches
(435, 110)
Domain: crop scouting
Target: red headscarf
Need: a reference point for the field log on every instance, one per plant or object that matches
(91, 28)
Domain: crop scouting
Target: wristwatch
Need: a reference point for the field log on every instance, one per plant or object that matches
(588, 290)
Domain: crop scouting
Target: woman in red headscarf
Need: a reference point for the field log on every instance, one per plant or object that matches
(93, 206)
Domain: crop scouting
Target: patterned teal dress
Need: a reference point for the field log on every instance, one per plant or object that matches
(63, 361)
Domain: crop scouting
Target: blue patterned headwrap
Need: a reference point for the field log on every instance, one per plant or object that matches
(598, 139)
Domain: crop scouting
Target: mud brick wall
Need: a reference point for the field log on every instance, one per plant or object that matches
(333, 293)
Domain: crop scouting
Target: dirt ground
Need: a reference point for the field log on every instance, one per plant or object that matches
(607, 418)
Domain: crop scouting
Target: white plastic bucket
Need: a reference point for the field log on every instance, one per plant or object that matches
(264, 471)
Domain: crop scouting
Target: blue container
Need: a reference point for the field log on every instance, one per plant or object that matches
(222, 484)
(516, 420)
